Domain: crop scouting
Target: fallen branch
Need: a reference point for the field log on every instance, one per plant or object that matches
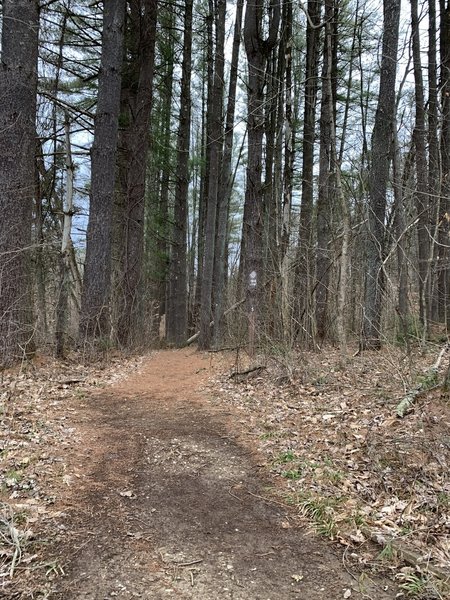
(430, 377)
(188, 564)
(12, 540)
(72, 381)
(446, 384)
(410, 557)
(223, 349)
(241, 375)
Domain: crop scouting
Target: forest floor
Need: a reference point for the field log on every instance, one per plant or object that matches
(181, 475)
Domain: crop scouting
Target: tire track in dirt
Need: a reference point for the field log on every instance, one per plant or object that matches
(165, 508)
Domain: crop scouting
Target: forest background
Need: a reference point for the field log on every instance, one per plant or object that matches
(266, 176)
(279, 169)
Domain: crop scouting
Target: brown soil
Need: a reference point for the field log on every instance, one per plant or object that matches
(170, 502)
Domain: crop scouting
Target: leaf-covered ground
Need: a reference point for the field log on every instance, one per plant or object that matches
(36, 437)
(328, 428)
(324, 427)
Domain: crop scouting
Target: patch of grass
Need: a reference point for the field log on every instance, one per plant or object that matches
(327, 528)
(321, 512)
(416, 585)
(266, 436)
(321, 380)
(269, 435)
(334, 476)
(358, 519)
(406, 529)
(274, 435)
(443, 500)
(291, 499)
(388, 553)
(292, 474)
(13, 477)
(285, 457)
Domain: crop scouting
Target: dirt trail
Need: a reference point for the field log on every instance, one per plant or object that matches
(167, 504)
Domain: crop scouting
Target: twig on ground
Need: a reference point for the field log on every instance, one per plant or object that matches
(190, 563)
(12, 537)
(267, 499)
(406, 404)
(245, 374)
(406, 554)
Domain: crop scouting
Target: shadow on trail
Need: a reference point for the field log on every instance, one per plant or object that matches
(170, 507)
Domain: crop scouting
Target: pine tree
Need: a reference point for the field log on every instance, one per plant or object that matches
(18, 85)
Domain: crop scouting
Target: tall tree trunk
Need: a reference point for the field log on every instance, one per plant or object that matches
(177, 300)
(288, 173)
(444, 213)
(382, 139)
(257, 50)
(302, 289)
(18, 84)
(95, 303)
(345, 213)
(42, 321)
(207, 97)
(433, 152)
(215, 143)
(422, 192)
(274, 198)
(400, 231)
(224, 195)
(163, 228)
(62, 308)
(274, 97)
(326, 193)
(136, 140)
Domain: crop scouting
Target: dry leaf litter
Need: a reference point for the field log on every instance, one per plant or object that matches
(35, 439)
(327, 427)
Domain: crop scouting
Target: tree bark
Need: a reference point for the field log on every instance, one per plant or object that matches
(326, 195)
(288, 172)
(62, 308)
(305, 237)
(177, 300)
(95, 303)
(382, 139)
(135, 146)
(215, 143)
(400, 229)
(18, 84)
(257, 50)
(207, 88)
(41, 295)
(444, 213)
(422, 192)
(433, 155)
(226, 177)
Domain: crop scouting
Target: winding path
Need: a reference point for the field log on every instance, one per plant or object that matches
(172, 503)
